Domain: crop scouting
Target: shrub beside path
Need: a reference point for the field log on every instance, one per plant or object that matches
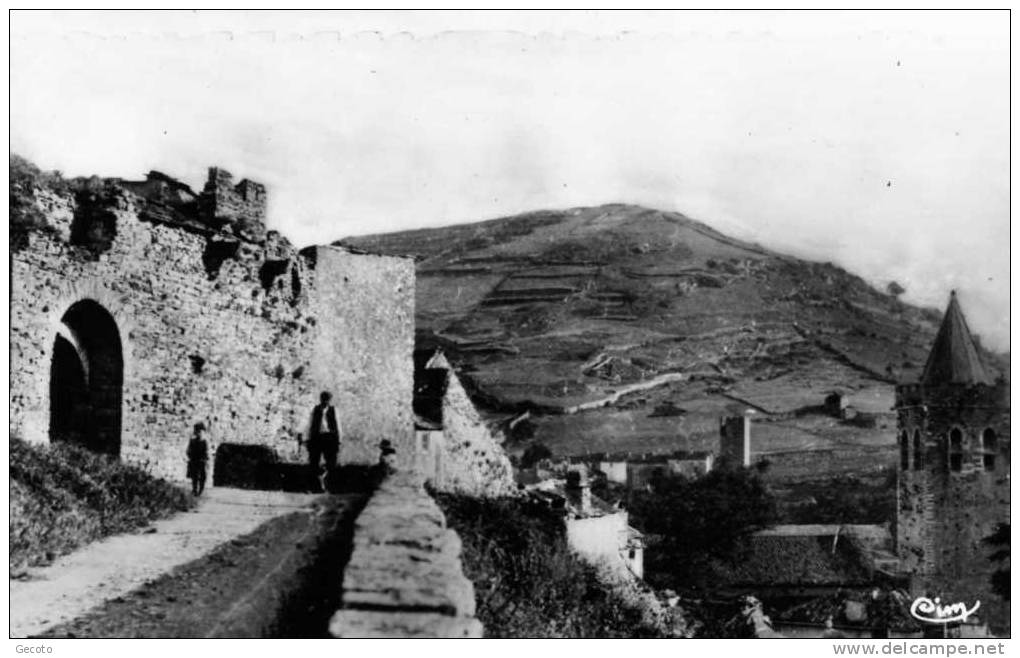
(111, 567)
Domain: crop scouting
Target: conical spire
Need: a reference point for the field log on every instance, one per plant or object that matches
(954, 358)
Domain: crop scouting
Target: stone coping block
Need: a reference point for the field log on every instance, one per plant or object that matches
(413, 586)
(405, 578)
(445, 544)
(371, 624)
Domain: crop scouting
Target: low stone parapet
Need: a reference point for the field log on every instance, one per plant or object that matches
(404, 578)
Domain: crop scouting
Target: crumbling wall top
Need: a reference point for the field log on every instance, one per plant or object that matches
(240, 207)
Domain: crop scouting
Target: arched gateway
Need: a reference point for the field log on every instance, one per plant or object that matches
(86, 379)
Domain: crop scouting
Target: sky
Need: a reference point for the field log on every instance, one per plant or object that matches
(877, 141)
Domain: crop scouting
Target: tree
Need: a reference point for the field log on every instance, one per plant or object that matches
(895, 289)
(534, 453)
(699, 520)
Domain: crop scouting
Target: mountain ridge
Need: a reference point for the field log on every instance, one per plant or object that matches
(556, 310)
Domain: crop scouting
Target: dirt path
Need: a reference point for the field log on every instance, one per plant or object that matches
(76, 583)
(658, 380)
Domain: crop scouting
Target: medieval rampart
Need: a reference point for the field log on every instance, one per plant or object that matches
(140, 308)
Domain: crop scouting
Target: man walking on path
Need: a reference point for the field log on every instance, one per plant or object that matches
(323, 437)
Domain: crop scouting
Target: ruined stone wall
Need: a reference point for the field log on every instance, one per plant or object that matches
(242, 206)
(212, 327)
(472, 461)
(942, 514)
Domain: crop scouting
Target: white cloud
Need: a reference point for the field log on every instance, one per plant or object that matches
(877, 140)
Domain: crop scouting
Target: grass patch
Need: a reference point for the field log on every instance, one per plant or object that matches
(527, 582)
(64, 496)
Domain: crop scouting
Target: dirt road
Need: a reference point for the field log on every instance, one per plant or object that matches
(76, 583)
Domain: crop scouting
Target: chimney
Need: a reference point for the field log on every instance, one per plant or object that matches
(578, 492)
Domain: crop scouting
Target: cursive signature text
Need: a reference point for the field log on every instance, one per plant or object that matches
(934, 612)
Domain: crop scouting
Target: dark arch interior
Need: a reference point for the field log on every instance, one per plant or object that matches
(918, 451)
(990, 447)
(955, 449)
(86, 381)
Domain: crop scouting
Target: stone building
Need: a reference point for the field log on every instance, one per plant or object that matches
(141, 307)
(954, 471)
(454, 448)
(597, 531)
(638, 470)
(735, 440)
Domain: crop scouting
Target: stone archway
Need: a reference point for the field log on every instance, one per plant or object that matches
(87, 379)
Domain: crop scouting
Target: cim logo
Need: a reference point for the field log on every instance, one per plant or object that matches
(933, 612)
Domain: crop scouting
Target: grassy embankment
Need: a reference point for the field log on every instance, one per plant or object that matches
(63, 497)
(527, 582)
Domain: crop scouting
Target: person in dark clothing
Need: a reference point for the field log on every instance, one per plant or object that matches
(198, 457)
(323, 437)
(387, 456)
(387, 464)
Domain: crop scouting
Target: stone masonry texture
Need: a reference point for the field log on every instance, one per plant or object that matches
(474, 463)
(214, 319)
(943, 515)
(404, 578)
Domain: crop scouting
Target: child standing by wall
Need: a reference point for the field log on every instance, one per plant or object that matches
(198, 457)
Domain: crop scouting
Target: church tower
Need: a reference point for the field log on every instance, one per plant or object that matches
(953, 485)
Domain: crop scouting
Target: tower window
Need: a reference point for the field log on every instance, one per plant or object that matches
(990, 447)
(918, 451)
(904, 451)
(956, 450)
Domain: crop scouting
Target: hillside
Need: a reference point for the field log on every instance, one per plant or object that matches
(622, 327)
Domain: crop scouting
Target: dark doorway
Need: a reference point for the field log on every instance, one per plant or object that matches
(86, 380)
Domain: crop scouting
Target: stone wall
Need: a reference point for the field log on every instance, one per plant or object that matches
(242, 206)
(601, 539)
(404, 578)
(473, 462)
(363, 347)
(210, 326)
(460, 454)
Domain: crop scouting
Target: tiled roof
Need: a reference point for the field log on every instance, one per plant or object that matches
(792, 560)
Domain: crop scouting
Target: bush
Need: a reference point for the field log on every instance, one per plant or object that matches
(535, 453)
(527, 582)
(25, 179)
(64, 496)
(863, 420)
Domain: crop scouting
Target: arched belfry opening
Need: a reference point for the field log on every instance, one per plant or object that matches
(87, 379)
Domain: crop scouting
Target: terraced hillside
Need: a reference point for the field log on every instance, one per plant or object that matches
(621, 327)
